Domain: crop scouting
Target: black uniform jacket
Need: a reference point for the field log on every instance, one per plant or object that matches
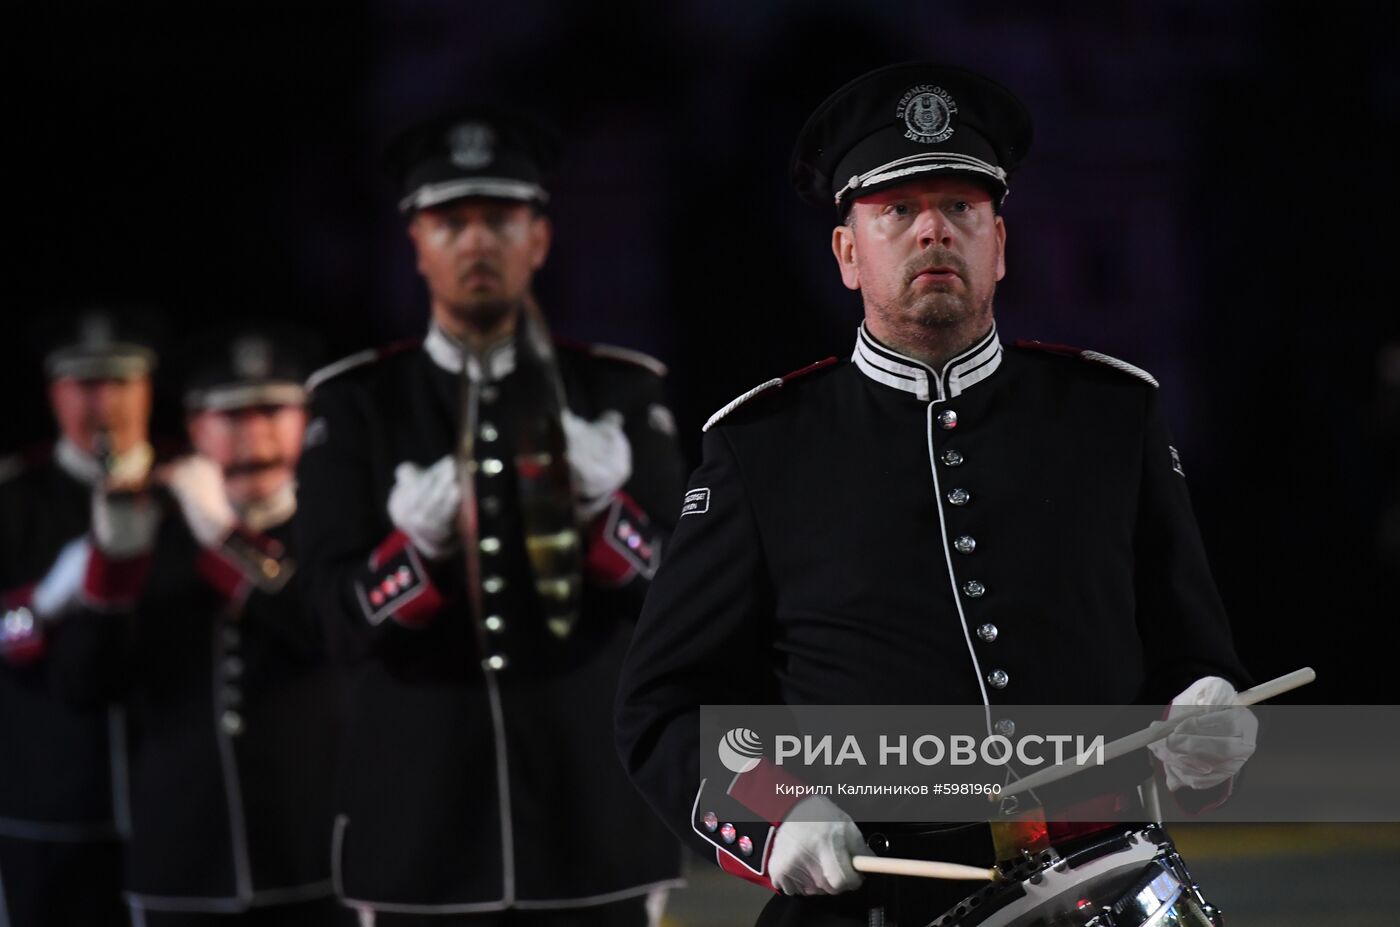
(55, 761)
(231, 717)
(1012, 529)
(475, 774)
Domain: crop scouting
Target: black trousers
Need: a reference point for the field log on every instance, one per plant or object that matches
(57, 884)
(630, 912)
(324, 912)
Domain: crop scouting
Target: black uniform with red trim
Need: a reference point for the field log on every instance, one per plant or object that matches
(56, 794)
(1012, 529)
(231, 710)
(480, 779)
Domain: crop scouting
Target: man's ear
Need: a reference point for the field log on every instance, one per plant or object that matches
(415, 232)
(843, 248)
(541, 234)
(1001, 247)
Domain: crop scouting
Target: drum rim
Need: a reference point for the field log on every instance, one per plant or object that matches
(1147, 842)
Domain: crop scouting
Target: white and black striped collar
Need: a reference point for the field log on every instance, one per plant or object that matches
(498, 361)
(887, 366)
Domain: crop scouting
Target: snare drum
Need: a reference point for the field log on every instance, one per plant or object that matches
(1125, 878)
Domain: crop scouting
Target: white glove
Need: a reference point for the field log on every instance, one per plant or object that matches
(131, 467)
(1204, 751)
(124, 523)
(423, 505)
(813, 856)
(197, 483)
(600, 457)
(58, 590)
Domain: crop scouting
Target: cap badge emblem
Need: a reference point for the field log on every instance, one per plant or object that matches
(471, 144)
(252, 359)
(928, 113)
(95, 331)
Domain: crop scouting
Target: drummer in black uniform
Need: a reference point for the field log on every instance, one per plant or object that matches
(60, 860)
(943, 520)
(482, 512)
(193, 620)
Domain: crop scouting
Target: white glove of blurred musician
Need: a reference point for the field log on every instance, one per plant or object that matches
(600, 457)
(1205, 751)
(197, 483)
(812, 854)
(423, 505)
(58, 590)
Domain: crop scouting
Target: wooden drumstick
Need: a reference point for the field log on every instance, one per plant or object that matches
(1284, 683)
(1155, 732)
(923, 868)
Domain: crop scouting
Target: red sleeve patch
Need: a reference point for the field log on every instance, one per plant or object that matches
(115, 584)
(21, 631)
(622, 545)
(396, 584)
(246, 561)
(732, 866)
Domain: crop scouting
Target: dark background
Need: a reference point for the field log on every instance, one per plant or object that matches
(1210, 196)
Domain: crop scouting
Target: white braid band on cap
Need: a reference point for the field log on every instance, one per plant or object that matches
(117, 361)
(918, 164)
(495, 187)
(224, 398)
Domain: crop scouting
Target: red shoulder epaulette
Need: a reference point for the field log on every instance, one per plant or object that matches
(359, 359)
(30, 457)
(764, 387)
(1095, 356)
(398, 347)
(613, 352)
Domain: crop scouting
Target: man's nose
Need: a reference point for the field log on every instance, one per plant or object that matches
(102, 395)
(252, 433)
(934, 229)
(476, 238)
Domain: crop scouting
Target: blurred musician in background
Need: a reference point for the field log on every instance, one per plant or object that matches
(59, 855)
(192, 619)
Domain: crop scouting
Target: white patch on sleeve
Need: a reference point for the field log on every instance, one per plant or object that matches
(1176, 461)
(697, 501)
